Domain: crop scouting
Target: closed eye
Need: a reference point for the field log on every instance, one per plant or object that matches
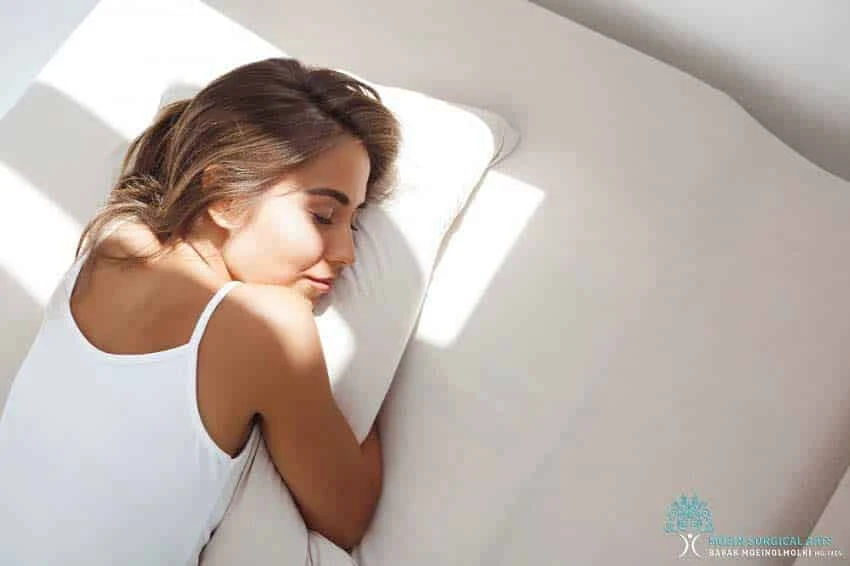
(322, 220)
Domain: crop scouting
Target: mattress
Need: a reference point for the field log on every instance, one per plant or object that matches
(646, 300)
(642, 312)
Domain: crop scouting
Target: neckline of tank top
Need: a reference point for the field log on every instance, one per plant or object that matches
(68, 316)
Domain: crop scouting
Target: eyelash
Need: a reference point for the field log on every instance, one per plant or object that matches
(322, 220)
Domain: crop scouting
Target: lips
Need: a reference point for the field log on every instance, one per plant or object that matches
(323, 285)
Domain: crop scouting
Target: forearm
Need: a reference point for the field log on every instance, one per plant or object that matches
(371, 449)
(347, 527)
(372, 460)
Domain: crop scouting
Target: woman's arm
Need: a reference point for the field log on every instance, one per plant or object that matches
(334, 481)
(374, 459)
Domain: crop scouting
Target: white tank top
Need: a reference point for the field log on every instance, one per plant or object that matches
(103, 457)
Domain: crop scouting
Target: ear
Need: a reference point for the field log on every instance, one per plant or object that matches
(221, 211)
(222, 214)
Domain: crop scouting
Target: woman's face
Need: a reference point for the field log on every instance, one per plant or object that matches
(301, 229)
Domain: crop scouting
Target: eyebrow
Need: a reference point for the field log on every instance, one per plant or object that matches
(333, 193)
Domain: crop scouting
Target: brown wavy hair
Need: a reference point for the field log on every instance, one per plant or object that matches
(242, 133)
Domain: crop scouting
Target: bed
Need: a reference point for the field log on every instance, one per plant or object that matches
(644, 311)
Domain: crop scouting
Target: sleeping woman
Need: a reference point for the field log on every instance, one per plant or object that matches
(185, 328)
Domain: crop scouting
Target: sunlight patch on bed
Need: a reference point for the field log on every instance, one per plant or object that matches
(31, 225)
(137, 67)
(501, 209)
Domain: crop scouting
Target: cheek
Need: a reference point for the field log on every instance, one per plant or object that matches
(275, 248)
(301, 244)
(294, 237)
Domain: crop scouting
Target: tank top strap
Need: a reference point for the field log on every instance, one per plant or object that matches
(56, 305)
(201, 325)
(73, 273)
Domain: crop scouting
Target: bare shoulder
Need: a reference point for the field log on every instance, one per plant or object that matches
(268, 305)
(269, 316)
(271, 336)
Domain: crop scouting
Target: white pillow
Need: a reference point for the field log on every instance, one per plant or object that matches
(365, 322)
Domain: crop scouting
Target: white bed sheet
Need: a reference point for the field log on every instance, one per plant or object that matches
(647, 299)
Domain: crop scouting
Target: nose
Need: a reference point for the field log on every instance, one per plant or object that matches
(341, 249)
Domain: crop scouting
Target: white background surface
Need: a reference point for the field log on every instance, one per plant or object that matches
(647, 298)
(785, 62)
(30, 32)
